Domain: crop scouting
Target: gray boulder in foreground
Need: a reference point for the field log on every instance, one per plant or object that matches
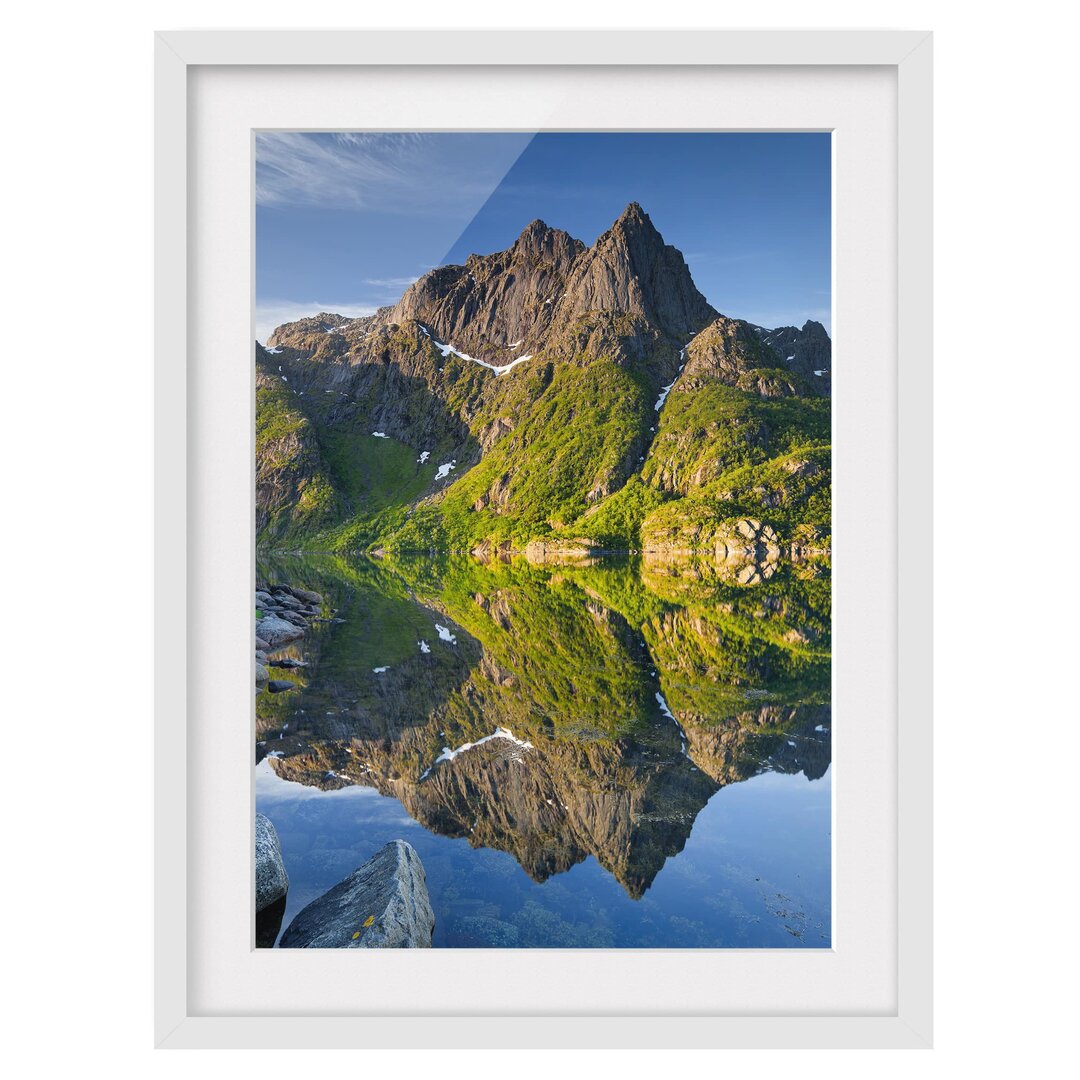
(382, 905)
(271, 881)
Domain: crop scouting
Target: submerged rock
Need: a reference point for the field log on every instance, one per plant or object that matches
(383, 904)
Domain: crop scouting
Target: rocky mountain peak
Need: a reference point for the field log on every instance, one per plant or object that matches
(630, 269)
(539, 240)
(634, 217)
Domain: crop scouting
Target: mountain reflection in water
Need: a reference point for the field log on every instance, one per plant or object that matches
(557, 713)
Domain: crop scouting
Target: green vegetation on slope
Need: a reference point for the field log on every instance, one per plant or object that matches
(569, 455)
(705, 433)
(568, 447)
(296, 495)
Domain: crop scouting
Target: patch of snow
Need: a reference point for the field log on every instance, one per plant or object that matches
(449, 350)
(671, 716)
(424, 455)
(789, 359)
(499, 733)
(273, 351)
(514, 344)
(821, 727)
(380, 435)
(424, 646)
(665, 390)
(790, 743)
(284, 378)
(444, 470)
(379, 670)
(820, 373)
(445, 635)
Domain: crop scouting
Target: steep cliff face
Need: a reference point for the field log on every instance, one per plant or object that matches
(495, 307)
(516, 397)
(630, 269)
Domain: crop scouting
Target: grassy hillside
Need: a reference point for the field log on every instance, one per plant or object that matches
(561, 452)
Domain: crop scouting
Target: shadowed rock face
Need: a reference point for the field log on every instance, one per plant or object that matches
(499, 306)
(555, 725)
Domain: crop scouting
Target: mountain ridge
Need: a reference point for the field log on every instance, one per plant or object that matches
(513, 396)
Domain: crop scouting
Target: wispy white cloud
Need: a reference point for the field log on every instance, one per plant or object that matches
(270, 314)
(335, 170)
(392, 172)
(392, 282)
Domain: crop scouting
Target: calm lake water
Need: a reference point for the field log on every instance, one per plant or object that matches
(613, 753)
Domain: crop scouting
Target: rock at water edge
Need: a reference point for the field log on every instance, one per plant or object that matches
(274, 631)
(383, 904)
(271, 881)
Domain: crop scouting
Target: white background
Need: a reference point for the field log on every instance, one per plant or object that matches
(77, 605)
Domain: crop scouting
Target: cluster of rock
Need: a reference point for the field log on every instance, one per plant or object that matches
(383, 904)
(283, 614)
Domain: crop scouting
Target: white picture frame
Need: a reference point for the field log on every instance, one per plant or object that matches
(192, 514)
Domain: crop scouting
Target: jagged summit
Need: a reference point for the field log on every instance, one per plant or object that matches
(540, 239)
(634, 216)
(630, 269)
(630, 298)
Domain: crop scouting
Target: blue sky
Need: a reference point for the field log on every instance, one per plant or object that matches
(345, 221)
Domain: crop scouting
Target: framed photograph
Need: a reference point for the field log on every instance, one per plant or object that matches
(543, 474)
